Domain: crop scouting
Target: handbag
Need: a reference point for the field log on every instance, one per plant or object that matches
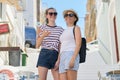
(82, 51)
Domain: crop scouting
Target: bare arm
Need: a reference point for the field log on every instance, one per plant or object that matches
(78, 45)
(77, 41)
(58, 60)
(59, 52)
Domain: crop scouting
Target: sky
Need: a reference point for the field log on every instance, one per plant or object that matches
(60, 5)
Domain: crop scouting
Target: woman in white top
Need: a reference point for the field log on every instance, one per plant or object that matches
(70, 45)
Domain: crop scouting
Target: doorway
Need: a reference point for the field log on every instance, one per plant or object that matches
(116, 39)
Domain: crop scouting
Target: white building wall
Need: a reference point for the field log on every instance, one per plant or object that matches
(35, 13)
(3, 12)
(118, 21)
(105, 27)
(103, 32)
(3, 38)
(10, 16)
(16, 36)
(30, 13)
(0, 11)
(111, 15)
(15, 18)
(98, 4)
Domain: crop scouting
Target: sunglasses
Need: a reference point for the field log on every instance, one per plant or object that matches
(70, 15)
(52, 13)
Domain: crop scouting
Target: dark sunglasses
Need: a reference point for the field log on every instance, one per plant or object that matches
(70, 15)
(52, 13)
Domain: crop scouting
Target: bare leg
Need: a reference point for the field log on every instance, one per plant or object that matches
(42, 73)
(55, 74)
(72, 75)
(63, 76)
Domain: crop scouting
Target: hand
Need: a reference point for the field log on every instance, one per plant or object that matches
(71, 64)
(45, 33)
(56, 65)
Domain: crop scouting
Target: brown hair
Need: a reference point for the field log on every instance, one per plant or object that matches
(76, 16)
(46, 12)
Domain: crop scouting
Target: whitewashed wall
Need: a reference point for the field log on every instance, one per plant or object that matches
(30, 13)
(111, 15)
(105, 31)
(118, 21)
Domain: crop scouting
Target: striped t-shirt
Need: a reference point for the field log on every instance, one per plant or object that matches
(52, 40)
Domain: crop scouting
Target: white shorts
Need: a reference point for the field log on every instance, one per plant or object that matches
(65, 58)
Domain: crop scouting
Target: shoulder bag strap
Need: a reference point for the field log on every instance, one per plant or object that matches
(74, 32)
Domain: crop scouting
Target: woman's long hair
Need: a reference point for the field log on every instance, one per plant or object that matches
(46, 12)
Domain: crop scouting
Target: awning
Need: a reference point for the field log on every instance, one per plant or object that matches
(4, 28)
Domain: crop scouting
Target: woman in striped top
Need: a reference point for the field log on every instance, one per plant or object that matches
(48, 39)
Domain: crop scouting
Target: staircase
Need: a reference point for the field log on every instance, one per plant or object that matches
(92, 67)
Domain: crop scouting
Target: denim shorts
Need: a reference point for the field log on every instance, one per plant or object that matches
(65, 58)
(47, 58)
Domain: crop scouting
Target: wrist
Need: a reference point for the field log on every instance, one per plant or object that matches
(42, 35)
(74, 57)
(58, 60)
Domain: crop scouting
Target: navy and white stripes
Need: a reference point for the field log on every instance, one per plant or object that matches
(51, 41)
